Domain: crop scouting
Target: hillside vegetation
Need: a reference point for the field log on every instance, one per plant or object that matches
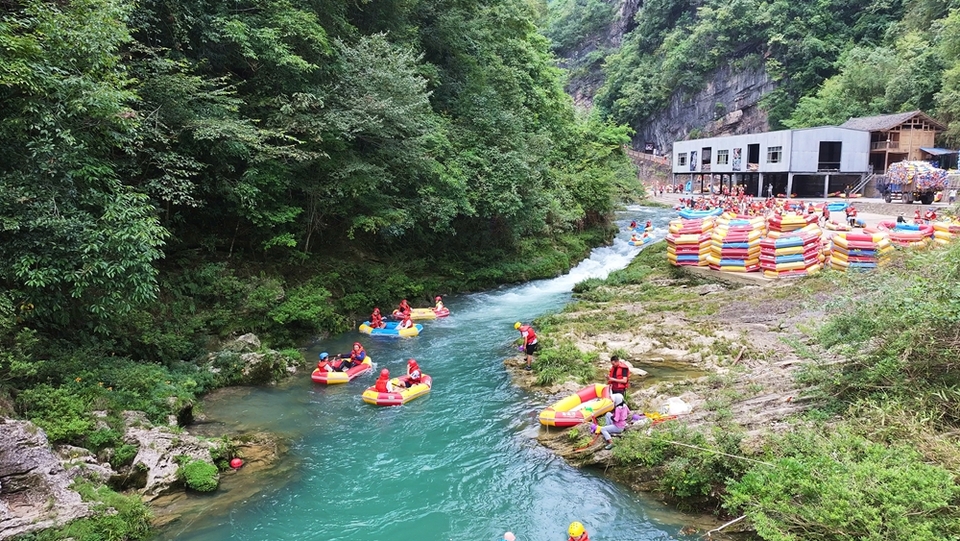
(831, 60)
(177, 173)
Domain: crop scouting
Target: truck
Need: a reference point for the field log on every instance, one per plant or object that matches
(910, 181)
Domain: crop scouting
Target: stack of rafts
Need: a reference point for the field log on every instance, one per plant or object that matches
(797, 253)
(859, 250)
(735, 243)
(689, 241)
(944, 232)
(789, 221)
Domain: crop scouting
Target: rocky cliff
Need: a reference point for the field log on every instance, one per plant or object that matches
(727, 104)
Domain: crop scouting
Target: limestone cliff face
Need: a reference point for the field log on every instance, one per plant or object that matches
(727, 105)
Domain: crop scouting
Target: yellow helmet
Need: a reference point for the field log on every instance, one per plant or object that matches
(516, 325)
(576, 529)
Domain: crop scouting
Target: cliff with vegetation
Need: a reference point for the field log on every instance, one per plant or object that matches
(656, 66)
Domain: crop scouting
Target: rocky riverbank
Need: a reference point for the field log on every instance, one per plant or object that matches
(738, 342)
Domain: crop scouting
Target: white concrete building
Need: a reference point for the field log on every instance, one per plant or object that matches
(809, 162)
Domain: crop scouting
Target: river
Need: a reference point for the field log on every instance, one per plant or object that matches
(461, 463)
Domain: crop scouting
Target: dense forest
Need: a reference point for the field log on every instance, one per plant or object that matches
(830, 60)
(175, 173)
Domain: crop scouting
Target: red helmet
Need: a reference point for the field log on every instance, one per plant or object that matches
(357, 345)
(376, 310)
(384, 373)
(412, 362)
(438, 298)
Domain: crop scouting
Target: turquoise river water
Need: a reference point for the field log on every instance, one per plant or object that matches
(461, 463)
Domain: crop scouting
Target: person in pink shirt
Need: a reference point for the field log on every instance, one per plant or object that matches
(616, 421)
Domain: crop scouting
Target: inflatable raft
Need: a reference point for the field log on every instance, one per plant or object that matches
(426, 313)
(371, 396)
(322, 375)
(391, 329)
(691, 214)
(590, 402)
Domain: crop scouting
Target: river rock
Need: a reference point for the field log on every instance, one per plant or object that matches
(156, 460)
(245, 343)
(34, 484)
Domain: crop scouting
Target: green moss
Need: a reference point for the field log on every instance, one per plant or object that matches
(199, 475)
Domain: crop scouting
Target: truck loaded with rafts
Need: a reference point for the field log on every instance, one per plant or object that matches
(911, 181)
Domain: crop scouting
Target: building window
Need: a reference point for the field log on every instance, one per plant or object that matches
(774, 154)
(682, 159)
(723, 157)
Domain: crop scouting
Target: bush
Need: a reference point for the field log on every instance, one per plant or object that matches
(118, 518)
(844, 487)
(199, 475)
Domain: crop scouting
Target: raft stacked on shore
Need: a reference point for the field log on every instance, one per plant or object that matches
(797, 253)
(735, 243)
(859, 250)
(778, 224)
(688, 242)
(908, 235)
(945, 232)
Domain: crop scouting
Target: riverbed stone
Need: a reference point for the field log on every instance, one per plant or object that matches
(34, 484)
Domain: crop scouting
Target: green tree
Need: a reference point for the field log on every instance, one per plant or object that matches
(74, 242)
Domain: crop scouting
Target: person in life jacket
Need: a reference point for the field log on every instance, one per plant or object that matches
(528, 337)
(403, 309)
(930, 215)
(406, 322)
(383, 384)
(577, 532)
(439, 306)
(619, 376)
(917, 219)
(323, 363)
(413, 374)
(852, 215)
(648, 226)
(354, 358)
(376, 319)
(633, 224)
(811, 209)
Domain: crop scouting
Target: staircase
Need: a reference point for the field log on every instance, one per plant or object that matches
(866, 180)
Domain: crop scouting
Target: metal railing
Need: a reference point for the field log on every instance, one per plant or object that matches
(884, 145)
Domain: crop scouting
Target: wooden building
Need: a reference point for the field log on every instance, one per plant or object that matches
(898, 137)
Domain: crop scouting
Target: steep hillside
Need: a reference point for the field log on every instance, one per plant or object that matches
(674, 70)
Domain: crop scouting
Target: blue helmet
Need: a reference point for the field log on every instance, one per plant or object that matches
(324, 355)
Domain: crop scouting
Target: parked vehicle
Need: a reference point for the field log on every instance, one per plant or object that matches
(910, 181)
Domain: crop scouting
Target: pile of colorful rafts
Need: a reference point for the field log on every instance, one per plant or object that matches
(688, 242)
(735, 243)
(945, 232)
(778, 224)
(795, 253)
(859, 250)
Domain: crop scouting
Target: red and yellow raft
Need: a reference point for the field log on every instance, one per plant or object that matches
(322, 375)
(371, 396)
(589, 402)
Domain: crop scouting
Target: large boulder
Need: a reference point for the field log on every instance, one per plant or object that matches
(243, 362)
(34, 482)
(155, 468)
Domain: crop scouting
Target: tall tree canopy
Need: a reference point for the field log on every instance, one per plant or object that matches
(274, 129)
